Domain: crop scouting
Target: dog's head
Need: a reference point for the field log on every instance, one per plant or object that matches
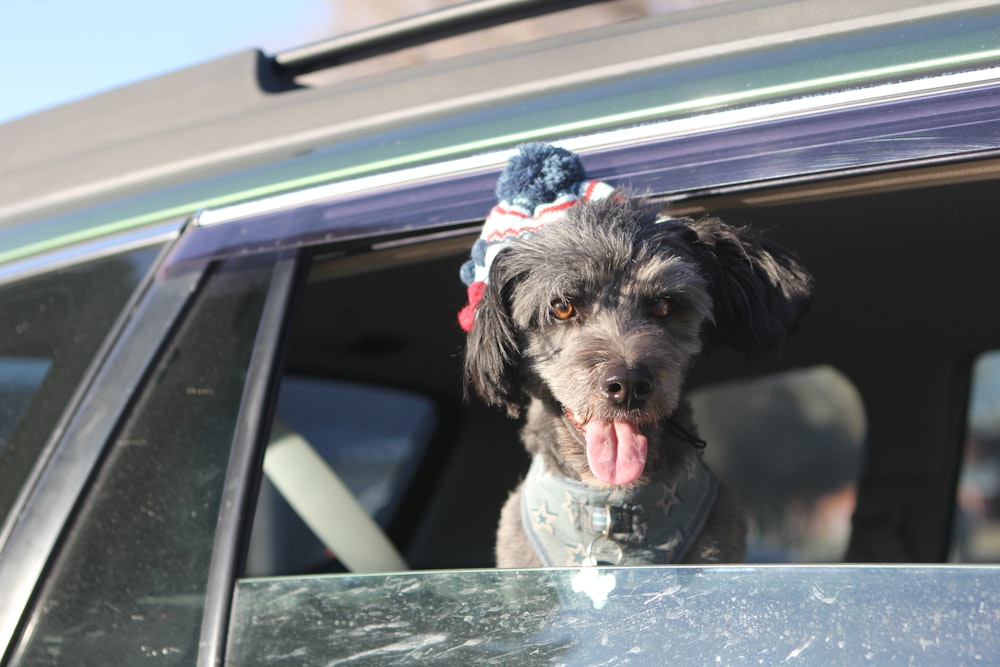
(601, 313)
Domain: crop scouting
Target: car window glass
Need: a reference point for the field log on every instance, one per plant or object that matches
(791, 444)
(129, 583)
(51, 327)
(976, 532)
(372, 437)
(820, 615)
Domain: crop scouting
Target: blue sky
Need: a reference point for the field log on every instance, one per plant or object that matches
(55, 51)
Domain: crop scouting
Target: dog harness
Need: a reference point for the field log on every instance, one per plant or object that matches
(573, 523)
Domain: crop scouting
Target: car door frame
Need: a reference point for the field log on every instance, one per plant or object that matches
(81, 437)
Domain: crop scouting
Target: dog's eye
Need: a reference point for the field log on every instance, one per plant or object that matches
(562, 309)
(661, 307)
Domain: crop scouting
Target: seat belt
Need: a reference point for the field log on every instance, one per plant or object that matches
(326, 505)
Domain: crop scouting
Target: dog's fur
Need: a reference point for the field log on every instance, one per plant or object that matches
(614, 262)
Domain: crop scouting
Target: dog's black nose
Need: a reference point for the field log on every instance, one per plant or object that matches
(628, 386)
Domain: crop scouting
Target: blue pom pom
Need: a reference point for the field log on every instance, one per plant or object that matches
(539, 174)
(479, 251)
(468, 273)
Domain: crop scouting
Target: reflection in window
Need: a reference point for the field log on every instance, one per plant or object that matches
(22, 376)
(51, 327)
(976, 535)
(129, 582)
(791, 445)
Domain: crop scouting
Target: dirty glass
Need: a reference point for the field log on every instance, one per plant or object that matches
(976, 533)
(767, 615)
(792, 446)
(129, 584)
(51, 327)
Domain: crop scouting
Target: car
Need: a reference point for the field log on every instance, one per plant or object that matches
(233, 428)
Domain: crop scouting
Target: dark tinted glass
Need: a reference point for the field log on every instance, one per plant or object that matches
(130, 581)
(50, 329)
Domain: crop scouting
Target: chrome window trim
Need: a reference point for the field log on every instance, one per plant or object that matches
(787, 110)
(906, 124)
(34, 530)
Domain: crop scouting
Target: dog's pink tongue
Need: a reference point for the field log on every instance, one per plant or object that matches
(616, 451)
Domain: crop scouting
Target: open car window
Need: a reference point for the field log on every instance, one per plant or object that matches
(367, 394)
(791, 443)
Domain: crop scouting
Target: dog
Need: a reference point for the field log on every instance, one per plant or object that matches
(588, 327)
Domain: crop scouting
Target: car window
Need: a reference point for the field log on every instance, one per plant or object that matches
(371, 437)
(791, 444)
(817, 615)
(976, 531)
(365, 357)
(136, 559)
(51, 328)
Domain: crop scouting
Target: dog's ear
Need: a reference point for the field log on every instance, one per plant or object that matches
(759, 288)
(492, 352)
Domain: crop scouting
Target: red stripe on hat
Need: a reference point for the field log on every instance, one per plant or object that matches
(540, 212)
(511, 231)
(509, 211)
(555, 207)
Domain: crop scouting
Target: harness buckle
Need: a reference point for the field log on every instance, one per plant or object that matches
(611, 520)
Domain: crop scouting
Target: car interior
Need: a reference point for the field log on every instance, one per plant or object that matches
(846, 446)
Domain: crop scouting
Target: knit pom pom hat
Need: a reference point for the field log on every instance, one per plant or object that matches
(538, 185)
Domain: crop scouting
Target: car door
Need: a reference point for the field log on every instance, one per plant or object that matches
(136, 562)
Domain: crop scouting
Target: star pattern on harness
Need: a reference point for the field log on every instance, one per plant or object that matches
(571, 509)
(575, 554)
(670, 498)
(544, 519)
